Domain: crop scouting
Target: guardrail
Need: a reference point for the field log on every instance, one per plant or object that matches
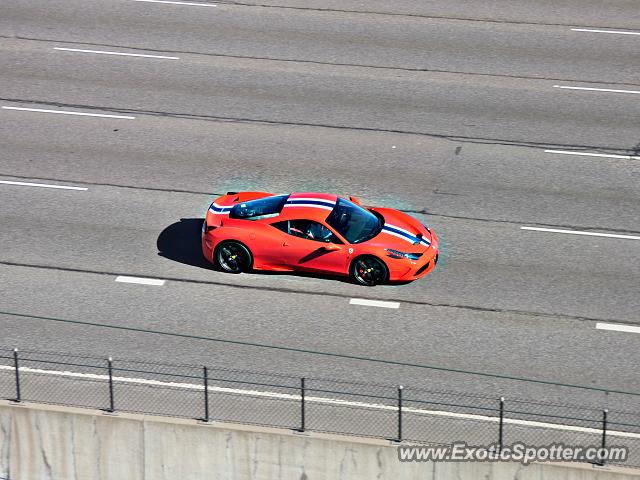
(396, 413)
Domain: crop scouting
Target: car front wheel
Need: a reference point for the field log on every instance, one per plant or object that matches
(368, 271)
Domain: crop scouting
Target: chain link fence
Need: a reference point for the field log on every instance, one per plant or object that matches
(401, 414)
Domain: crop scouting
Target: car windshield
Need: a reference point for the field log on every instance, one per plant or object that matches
(353, 222)
(261, 208)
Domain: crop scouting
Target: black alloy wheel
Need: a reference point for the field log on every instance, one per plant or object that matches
(369, 271)
(233, 257)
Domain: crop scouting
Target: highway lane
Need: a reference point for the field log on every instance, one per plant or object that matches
(122, 232)
(107, 231)
(444, 178)
(114, 242)
(498, 112)
(488, 48)
(444, 105)
(619, 14)
(490, 110)
(438, 336)
(481, 194)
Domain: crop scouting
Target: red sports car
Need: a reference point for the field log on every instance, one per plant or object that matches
(316, 232)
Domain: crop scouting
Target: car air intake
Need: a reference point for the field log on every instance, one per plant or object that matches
(423, 268)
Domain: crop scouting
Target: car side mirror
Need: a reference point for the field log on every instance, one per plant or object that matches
(331, 247)
(355, 200)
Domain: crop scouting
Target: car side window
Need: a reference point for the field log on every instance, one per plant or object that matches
(307, 229)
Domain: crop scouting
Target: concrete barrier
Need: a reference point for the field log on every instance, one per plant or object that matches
(44, 442)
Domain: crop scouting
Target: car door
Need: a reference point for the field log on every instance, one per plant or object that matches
(309, 245)
(266, 243)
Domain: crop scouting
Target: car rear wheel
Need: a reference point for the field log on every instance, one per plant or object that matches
(233, 257)
(369, 271)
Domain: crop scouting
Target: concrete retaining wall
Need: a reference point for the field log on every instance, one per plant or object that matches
(42, 442)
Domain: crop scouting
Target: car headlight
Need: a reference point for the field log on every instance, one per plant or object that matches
(399, 254)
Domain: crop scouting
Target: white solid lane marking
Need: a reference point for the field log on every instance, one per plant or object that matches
(178, 3)
(590, 89)
(617, 328)
(322, 400)
(113, 53)
(43, 185)
(593, 30)
(590, 154)
(139, 280)
(373, 303)
(63, 112)
(578, 232)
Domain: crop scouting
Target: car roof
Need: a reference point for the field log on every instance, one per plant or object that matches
(308, 205)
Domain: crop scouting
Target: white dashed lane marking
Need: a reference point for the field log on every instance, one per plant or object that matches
(64, 112)
(42, 185)
(102, 52)
(373, 303)
(140, 280)
(592, 154)
(592, 89)
(617, 328)
(193, 4)
(594, 30)
(578, 232)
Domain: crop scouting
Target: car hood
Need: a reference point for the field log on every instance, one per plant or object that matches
(401, 232)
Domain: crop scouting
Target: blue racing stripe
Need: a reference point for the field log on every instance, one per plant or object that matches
(411, 238)
(215, 209)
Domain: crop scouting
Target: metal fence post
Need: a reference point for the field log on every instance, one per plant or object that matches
(399, 438)
(112, 407)
(16, 366)
(302, 405)
(205, 372)
(501, 428)
(601, 461)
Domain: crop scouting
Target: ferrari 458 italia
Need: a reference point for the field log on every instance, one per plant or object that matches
(316, 232)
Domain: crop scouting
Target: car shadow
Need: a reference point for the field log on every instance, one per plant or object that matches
(320, 276)
(180, 242)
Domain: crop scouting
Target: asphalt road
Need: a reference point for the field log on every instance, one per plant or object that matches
(445, 112)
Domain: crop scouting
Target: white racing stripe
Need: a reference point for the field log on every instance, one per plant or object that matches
(592, 154)
(578, 232)
(140, 280)
(42, 185)
(593, 30)
(591, 89)
(63, 112)
(193, 4)
(373, 303)
(114, 53)
(617, 327)
(322, 400)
